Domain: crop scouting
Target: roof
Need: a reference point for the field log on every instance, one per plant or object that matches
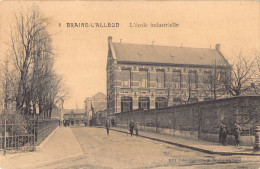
(134, 53)
(99, 106)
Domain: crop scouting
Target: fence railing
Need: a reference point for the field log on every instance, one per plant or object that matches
(44, 129)
(22, 135)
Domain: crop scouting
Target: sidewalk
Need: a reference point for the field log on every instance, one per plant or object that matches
(60, 145)
(198, 145)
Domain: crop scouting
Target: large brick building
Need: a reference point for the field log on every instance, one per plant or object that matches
(150, 76)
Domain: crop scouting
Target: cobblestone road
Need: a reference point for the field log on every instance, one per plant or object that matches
(119, 150)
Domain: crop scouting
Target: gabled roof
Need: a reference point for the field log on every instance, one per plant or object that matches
(151, 54)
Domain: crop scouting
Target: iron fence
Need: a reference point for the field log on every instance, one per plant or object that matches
(16, 135)
(44, 129)
(19, 134)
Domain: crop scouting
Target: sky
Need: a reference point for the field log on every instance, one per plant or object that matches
(80, 52)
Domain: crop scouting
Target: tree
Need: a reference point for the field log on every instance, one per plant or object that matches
(239, 81)
(36, 83)
(213, 87)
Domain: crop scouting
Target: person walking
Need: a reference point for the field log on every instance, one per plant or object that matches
(220, 132)
(107, 125)
(136, 128)
(131, 127)
(237, 131)
(224, 134)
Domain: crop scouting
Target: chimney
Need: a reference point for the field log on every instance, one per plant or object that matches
(109, 39)
(218, 46)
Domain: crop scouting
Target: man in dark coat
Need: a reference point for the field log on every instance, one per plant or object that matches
(131, 127)
(107, 125)
(222, 134)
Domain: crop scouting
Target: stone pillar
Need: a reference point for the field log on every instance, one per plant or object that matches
(257, 138)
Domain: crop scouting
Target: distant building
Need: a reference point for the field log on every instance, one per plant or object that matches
(100, 117)
(95, 103)
(75, 117)
(150, 76)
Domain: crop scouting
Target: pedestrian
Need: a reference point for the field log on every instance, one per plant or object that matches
(224, 134)
(131, 127)
(136, 127)
(107, 125)
(237, 131)
(113, 122)
(220, 132)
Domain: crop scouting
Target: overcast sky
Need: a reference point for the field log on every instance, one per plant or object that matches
(81, 52)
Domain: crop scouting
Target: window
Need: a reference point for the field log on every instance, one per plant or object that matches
(208, 78)
(160, 79)
(126, 77)
(144, 103)
(126, 104)
(160, 102)
(176, 101)
(193, 80)
(193, 100)
(143, 74)
(176, 78)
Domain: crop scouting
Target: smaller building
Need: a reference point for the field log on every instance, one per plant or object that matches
(95, 104)
(75, 119)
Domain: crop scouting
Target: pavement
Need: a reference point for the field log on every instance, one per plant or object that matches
(62, 145)
(58, 146)
(198, 145)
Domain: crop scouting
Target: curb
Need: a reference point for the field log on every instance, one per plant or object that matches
(192, 147)
(79, 147)
(46, 163)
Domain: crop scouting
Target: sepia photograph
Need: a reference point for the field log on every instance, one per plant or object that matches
(129, 84)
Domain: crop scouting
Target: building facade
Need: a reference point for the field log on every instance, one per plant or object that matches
(75, 117)
(95, 103)
(149, 76)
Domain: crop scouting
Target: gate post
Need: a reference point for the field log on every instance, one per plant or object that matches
(4, 134)
(156, 121)
(34, 133)
(144, 120)
(257, 138)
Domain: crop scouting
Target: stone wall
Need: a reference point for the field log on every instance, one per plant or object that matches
(200, 120)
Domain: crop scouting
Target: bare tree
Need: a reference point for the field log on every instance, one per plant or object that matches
(239, 81)
(5, 80)
(213, 87)
(36, 83)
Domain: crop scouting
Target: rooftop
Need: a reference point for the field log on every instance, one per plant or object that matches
(140, 53)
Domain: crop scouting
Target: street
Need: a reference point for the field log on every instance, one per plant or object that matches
(119, 150)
